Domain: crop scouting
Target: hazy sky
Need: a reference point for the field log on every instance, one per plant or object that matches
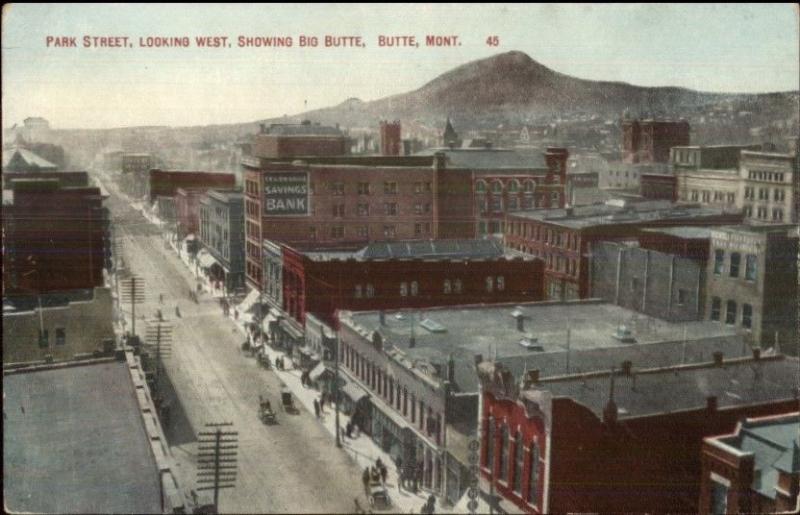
(714, 47)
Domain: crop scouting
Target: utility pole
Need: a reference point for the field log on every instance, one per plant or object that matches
(133, 292)
(217, 461)
(159, 338)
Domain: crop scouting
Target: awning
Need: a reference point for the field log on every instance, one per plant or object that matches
(353, 391)
(249, 300)
(317, 371)
(205, 259)
(270, 318)
(290, 330)
(191, 237)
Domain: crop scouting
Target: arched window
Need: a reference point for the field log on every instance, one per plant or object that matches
(519, 458)
(480, 187)
(533, 478)
(504, 443)
(530, 186)
(497, 187)
(513, 186)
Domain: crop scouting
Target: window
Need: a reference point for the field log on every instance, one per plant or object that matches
(390, 188)
(694, 196)
(363, 210)
(312, 233)
(370, 291)
(497, 204)
(706, 196)
(457, 285)
(513, 186)
(363, 188)
(417, 187)
(418, 208)
(519, 457)
(44, 339)
(501, 283)
(480, 187)
(489, 284)
(513, 204)
(338, 210)
(390, 208)
(777, 214)
(719, 261)
(358, 292)
(779, 194)
(763, 194)
(61, 336)
(417, 229)
(427, 207)
(489, 443)
(716, 307)
(530, 186)
(751, 267)
(736, 258)
(683, 297)
(483, 206)
(404, 289)
(719, 498)
(337, 231)
(414, 288)
(448, 286)
(503, 472)
(389, 231)
(762, 213)
(730, 313)
(533, 479)
(497, 187)
(747, 316)
(337, 188)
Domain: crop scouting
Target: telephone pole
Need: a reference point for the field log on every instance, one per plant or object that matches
(133, 292)
(217, 461)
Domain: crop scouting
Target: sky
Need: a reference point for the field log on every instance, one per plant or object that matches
(710, 47)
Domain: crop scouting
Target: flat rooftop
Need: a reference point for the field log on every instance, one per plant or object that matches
(685, 232)
(740, 382)
(491, 331)
(490, 158)
(431, 250)
(74, 442)
(583, 217)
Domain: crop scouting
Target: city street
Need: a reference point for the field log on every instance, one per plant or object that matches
(292, 466)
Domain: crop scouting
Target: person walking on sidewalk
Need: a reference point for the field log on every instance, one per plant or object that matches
(400, 474)
(316, 407)
(365, 480)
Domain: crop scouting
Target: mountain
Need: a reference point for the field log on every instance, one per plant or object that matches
(512, 84)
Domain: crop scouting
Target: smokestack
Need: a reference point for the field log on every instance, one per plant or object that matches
(451, 369)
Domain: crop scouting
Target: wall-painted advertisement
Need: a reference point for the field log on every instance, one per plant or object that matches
(286, 194)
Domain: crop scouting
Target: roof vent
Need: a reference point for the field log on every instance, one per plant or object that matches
(433, 326)
(624, 334)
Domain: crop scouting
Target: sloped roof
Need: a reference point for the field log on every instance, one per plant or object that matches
(28, 157)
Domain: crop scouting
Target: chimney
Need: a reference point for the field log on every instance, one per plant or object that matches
(756, 353)
(531, 378)
(718, 358)
(382, 315)
(478, 359)
(439, 160)
(626, 367)
(711, 403)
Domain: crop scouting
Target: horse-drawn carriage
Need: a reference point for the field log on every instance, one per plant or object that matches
(287, 401)
(265, 413)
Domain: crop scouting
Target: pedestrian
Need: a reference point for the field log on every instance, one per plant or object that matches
(365, 480)
(316, 408)
(400, 474)
(349, 430)
(322, 401)
(384, 472)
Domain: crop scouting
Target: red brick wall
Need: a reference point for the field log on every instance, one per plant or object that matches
(322, 287)
(391, 141)
(273, 146)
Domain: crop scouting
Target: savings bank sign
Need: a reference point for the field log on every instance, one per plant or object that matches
(286, 194)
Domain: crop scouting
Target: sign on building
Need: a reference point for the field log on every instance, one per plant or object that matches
(286, 194)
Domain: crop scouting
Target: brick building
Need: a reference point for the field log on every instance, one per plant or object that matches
(166, 182)
(712, 157)
(770, 186)
(658, 186)
(391, 140)
(752, 282)
(563, 237)
(55, 238)
(222, 235)
(346, 200)
(280, 141)
(755, 469)
(187, 211)
(618, 441)
(418, 366)
(650, 141)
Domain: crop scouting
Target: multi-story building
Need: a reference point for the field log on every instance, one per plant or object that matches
(755, 469)
(712, 157)
(417, 387)
(391, 140)
(660, 284)
(222, 235)
(56, 238)
(23, 160)
(166, 182)
(281, 141)
(135, 168)
(346, 200)
(769, 186)
(627, 439)
(563, 237)
(650, 141)
(658, 186)
(187, 211)
(752, 282)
